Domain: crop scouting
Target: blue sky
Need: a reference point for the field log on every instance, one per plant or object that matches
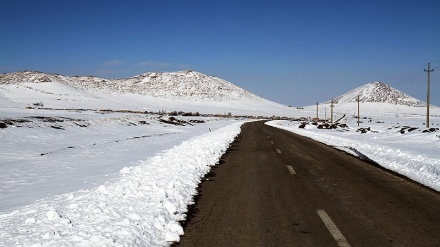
(291, 52)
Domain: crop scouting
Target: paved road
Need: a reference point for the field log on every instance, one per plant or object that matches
(275, 188)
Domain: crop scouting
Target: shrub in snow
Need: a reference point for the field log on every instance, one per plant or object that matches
(38, 104)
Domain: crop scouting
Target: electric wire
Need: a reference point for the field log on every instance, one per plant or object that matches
(410, 77)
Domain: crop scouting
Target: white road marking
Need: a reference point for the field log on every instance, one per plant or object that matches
(290, 168)
(271, 142)
(279, 151)
(333, 229)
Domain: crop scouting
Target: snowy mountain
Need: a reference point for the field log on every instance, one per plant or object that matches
(169, 91)
(378, 92)
(187, 85)
(376, 99)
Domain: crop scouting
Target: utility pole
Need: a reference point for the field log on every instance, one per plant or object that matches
(358, 109)
(429, 70)
(331, 111)
(317, 115)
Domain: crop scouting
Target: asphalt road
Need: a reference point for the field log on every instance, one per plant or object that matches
(275, 188)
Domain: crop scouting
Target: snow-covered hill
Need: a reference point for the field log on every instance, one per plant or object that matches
(187, 85)
(169, 91)
(376, 99)
(190, 85)
(378, 92)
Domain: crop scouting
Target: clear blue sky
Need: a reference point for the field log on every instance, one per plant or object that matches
(291, 52)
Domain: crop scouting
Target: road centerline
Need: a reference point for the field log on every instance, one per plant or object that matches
(291, 170)
(253, 201)
(278, 151)
(333, 229)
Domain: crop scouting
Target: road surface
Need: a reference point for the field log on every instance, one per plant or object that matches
(276, 188)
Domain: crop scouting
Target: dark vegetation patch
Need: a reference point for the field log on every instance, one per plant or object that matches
(13, 122)
(366, 130)
(302, 125)
(332, 126)
(175, 121)
(143, 122)
(196, 121)
(49, 119)
(21, 122)
(58, 127)
(430, 130)
(324, 125)
(407, 129)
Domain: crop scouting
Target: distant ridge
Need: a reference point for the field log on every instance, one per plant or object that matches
(378, 92)
(181, 91)
(182, 85)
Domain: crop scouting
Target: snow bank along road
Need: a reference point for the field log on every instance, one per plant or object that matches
(141, 207)
(276, 188)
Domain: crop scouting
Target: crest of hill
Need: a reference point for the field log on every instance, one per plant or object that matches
(186, 84)
(182, 85)
(378, 92)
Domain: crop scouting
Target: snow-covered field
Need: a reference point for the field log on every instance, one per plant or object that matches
(412, 153)
(93, 179)
(85, 178)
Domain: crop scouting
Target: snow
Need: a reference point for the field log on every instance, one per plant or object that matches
(129, 190)
(59, 96)
(134, 193)
(75, 174)
(413, 154)
(173, 91)
(90, 148)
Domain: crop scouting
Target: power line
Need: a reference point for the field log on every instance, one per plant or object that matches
(413, 76)
(410, 78)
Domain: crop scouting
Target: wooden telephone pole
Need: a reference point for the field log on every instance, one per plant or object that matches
(331, 111)
(358, 110)
(317, 114)
(429, 70)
